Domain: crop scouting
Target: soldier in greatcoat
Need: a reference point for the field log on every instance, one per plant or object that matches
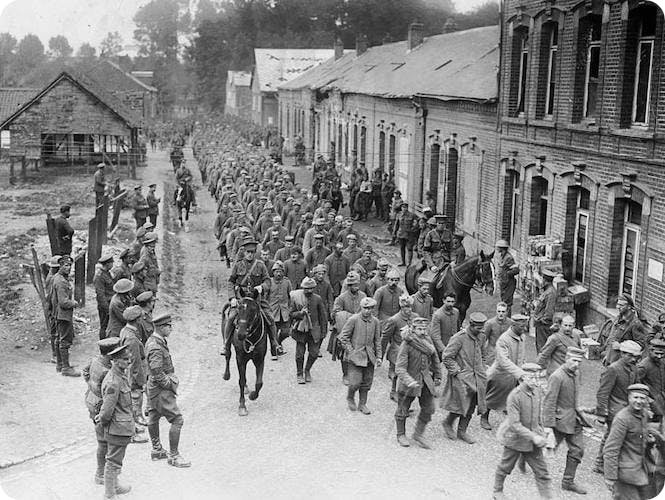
(361, 340)
(651, 372)
(103, 283)
(423, 303)
(153, 204)
(560, 415)
(115, 417)
(280, 302)
(626, 326)
(555, 349)
(494, 327)
(310, 320)
(63, 231)
(144, 324)
(521, 433)
(391, 337)
(162, 390)
(419, 373)
(387, 297)
(379, 279)
(464, 359)
(119, 302)
(64, 315)
(129, 335)
(347, 304)
(505, 373)
(445, 322)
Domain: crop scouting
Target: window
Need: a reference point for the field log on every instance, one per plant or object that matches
(553, 42)
(435, 152)
(643, 66)
(382, 151)
(592, 70)
(582, 199)
(539, 204)
(524, 61)
(363, 144)
(391, 155)
(340, 138)
(5, 140)
(510, 206)
(450, 187)
(630, 251)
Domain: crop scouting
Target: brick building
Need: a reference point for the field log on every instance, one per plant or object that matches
(423, 110)
(72, 120)
(238, 94)
(582, 116)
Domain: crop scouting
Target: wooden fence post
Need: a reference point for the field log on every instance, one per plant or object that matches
(117, 208)
(39, 285)
(92, 249)
(79, 277)
(50, 228)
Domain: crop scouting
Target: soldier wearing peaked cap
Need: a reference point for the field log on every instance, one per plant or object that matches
(561, 414)
(280, 301)
(543, 310)
(464, 358)
(651, 371)
(391, 337)
(626, 326)
(554, 352)
(93, 373)
(119, 302)
(63, 231)
(506, 272)
(122, 269)
(140, 206)
(148, 258)
(144, 324)
(423, 303)
(63, 307)
(115, 418)
(103, 283)
(612, 393)
(438, 243)
(162, 390)
(153, 204)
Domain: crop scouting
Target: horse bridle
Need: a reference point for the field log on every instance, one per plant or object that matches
(474, 286)
(247, 345)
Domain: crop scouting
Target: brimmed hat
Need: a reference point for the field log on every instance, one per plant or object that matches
(639, 388)
(307, 283)
(108, 344)
(631, 347)
(367, 302)
(101, 165)
(123, 285)
(150, 238)
(162, 319)
(124, 253)
(132, 313)
(144, 297)
(657, 343)
(140, 232)
(502, 244)
(139, 266)
(118, 351)
(440, 218)
(431, 221)
(477, 318)
(105, 258)
(519, 318)
(55, 261)
(420, 322)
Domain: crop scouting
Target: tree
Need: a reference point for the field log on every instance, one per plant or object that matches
(486, 14)
(86, 51)
(158, 24)
(59, 47)
(111, 45)
(29, 55)
(7, 49)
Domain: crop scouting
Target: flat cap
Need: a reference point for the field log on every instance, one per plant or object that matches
(318, 236)
(101, 165)
(420, 322)
(502, 244)
(65, 259)
(106, 258)
(531, 367)
(55, 261)
(162, 319)
(108, 344)
(289, 237)
(639, 388)
(249, 242)
(119, 351)
(631, 347)
(278, 264)
(367, 302)
(440, 218)
(351, 236)
(320, 268)
(353, 278)
(519, 317)
(139, 266)
(477, 317)
(392, 274)
(575, 352)
(132, 313)
(123, 285)
(144, 297)
(431, 221)
(320, 221)
(307, 283)
(423, 279)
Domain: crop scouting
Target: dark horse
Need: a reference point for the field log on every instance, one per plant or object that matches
(460, 278)
(184, 198)
(250, 341)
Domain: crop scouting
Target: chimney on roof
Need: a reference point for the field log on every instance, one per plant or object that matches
(450, 25)
(361, 45)
(416, 35)
(339, 48)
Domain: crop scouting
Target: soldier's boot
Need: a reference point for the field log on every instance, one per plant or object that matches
(418, 435)
(409, 257)
(448, 426)
(485, 421)
(67, 370)
(299, 375)
(393, 389)
(101, 462)
(400, 423)
(157, 452)
(121, 489)
(54, 352)
(544, 488)
(274, 343)
(351, 399)
(308, 367)
(599, 464)
(139, 435)
(461, 430)
(175, 458)
(498, 486)
(58, 358)
(362, 401)
(568, 482)
(345, 372)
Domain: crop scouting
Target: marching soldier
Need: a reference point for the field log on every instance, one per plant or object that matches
(280, 302)
(387, 297)
(445, 322)
(379, 279)
(162, 390)
(391, 336)
(309, 327)
(555, 350)
(103, 283)
(423, 303)
(626, 326)
(651, 371)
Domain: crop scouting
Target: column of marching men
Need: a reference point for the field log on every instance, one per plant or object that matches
(318, 280)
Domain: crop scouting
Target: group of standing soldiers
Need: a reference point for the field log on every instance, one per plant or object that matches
(314, 271)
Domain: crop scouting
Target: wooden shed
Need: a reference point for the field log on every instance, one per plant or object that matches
(73, 120)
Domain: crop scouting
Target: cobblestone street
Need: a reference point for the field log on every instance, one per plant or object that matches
(299, 441)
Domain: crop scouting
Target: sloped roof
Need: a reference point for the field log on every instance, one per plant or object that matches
(11, 100)
(458, 65)
(88, 85)
(114, 78)
(275, 67)
(239, 78)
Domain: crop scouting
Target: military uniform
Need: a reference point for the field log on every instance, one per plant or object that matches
(437, 247)
(140, 207)
(149, 259)
(506, 270)
(129, 336)
(64, 315)
(543, 314)
(63, 235)
(117, 306)
(153, 207)
(103, 283)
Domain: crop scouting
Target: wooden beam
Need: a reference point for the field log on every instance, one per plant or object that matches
(39, 285)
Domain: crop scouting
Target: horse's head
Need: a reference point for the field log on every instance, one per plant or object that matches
(485, 272)
(248, 312)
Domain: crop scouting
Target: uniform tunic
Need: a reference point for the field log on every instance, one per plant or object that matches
(560, 403)
(117, 307)
(506, 270)
(115, 414)
(612, 393)
(361, 339)
(316, 256)
(652, 374)
(391, 335)
(279, 299)
(437, 247)
(247, 275)
(162, 383)
(295, 271)
(375, 283)
(129, 335)
(626, 326)
(353, 254)
(553, 354)
(63, 235)
(338, 267)
(493, 330)
(93, 374)
(387, 301)
(444, 325)
(625, 449)
(152, 271)
(423, 305)
(506, 371)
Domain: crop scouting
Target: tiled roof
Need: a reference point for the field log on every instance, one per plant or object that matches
(114, 78)
(275, 67)
(88, 85)
(239, 78)
(11, 99)
(458, 65)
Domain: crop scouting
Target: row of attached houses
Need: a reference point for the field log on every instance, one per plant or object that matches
(548, 126)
